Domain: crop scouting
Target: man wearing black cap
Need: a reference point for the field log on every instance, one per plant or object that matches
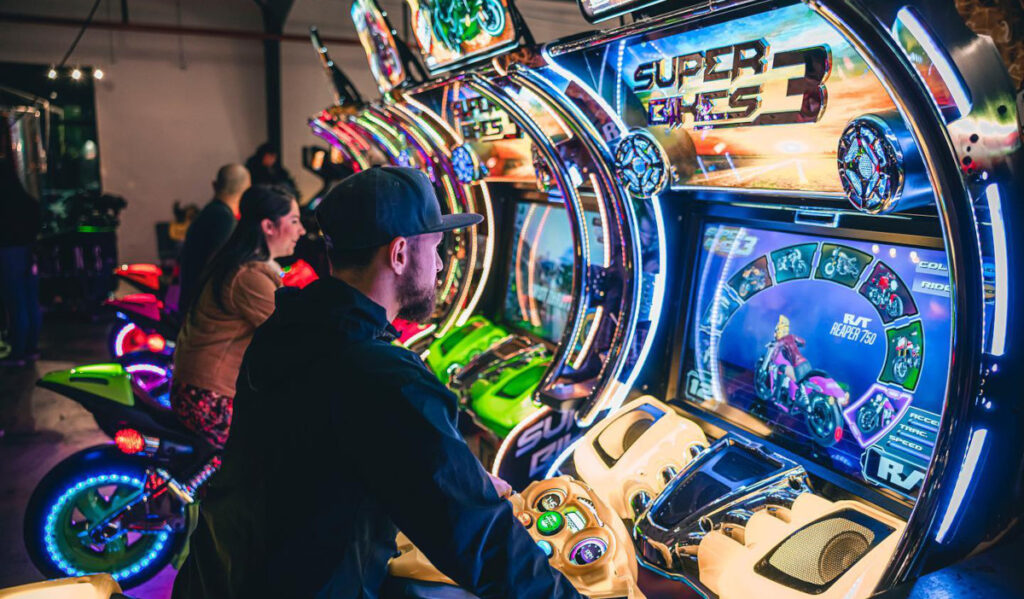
(339, 438)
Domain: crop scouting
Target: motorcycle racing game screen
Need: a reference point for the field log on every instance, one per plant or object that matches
(837, 348)
(451, 32)
(379, 44)
(539, 292)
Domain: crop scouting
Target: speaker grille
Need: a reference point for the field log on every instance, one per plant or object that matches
(821, 552)
(812, 558)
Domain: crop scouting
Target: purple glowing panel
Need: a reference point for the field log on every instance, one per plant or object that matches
(826, 343)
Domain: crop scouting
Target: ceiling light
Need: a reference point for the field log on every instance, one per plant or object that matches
(76, 74)
(98, 73)
(52, 73)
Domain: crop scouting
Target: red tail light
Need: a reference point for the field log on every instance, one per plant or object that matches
(156, 343)
(129, 441)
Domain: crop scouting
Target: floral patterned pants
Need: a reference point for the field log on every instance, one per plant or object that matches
(204, 412)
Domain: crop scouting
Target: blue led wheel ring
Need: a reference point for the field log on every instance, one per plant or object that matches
(72, 551)
(641, 164)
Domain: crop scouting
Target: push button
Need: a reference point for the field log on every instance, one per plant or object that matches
(546, 548)
(550, 523)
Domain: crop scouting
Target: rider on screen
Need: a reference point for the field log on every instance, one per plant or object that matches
(790, 345)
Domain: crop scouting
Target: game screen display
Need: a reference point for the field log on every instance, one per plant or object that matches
(756, 102)
(838, 347)
(381, 50)
(450, 32)
(539, 290)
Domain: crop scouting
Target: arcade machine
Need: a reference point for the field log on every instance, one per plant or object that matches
(834, 411)
(555, 348)
(364, 136)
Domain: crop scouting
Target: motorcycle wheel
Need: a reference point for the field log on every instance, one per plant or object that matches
(829, 270)
(824, 421)
(450, 33)
(762, 388)
(867, 420)
(900, 370)
(79, 491)
(492, 18)
(152, 372)
(121, 339)
(895, 307)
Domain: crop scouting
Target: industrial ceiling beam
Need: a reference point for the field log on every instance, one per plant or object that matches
(157, 28)
(275, 13)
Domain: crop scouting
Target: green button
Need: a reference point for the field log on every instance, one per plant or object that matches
(549, 523)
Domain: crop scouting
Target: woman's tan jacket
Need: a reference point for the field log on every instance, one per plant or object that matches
(212, 340)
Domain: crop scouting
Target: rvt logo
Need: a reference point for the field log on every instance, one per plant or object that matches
(856, 321)
(893, 472)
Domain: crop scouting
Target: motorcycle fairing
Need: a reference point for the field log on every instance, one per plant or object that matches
(108, 381)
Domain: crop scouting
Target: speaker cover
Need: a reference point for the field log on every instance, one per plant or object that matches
(815, 556)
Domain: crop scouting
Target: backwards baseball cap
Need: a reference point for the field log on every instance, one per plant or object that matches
(372, 207)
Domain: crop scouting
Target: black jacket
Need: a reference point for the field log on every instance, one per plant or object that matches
(207, 233)
(338, 439)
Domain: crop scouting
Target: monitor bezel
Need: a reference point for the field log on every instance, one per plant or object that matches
(886, 231)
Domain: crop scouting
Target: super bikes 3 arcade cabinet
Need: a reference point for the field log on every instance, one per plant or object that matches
(840, 177)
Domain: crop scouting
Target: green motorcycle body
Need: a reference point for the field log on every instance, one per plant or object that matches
(461, 344)
(502, 403)
(96, 485)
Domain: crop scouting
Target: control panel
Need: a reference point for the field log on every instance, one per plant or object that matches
(582, 537)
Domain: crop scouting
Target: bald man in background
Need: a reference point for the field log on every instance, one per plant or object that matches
(210, 229)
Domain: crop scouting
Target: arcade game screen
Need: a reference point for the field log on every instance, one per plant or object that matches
(839, 347)
(539, 290)
(449, 32)
(378, 43)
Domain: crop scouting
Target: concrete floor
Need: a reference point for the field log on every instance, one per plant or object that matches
(41, 428)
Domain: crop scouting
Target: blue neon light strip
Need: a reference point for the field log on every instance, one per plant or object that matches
(50, 532)
(1002, 302)
(963, 482)
(940, 59)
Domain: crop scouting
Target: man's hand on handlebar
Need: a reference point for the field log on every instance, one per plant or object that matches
(503, 489)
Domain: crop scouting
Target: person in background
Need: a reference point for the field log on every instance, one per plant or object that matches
(237, 295)
(265, 168)
(19, 282)
(210, 230)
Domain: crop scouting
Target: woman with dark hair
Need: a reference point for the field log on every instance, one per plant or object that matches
(237, 295)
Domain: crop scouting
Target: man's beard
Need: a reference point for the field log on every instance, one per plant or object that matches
(417, 304)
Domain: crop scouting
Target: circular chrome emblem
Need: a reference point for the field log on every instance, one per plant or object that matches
(467, 168)
(641, 164)
(870, 165)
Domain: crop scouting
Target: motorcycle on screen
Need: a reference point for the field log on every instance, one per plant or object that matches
(840, 264)
(793, 263)
(125, 507)
(882, 293)
(877, 413)
(816, 396)
(908, 357)
(456, 22)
